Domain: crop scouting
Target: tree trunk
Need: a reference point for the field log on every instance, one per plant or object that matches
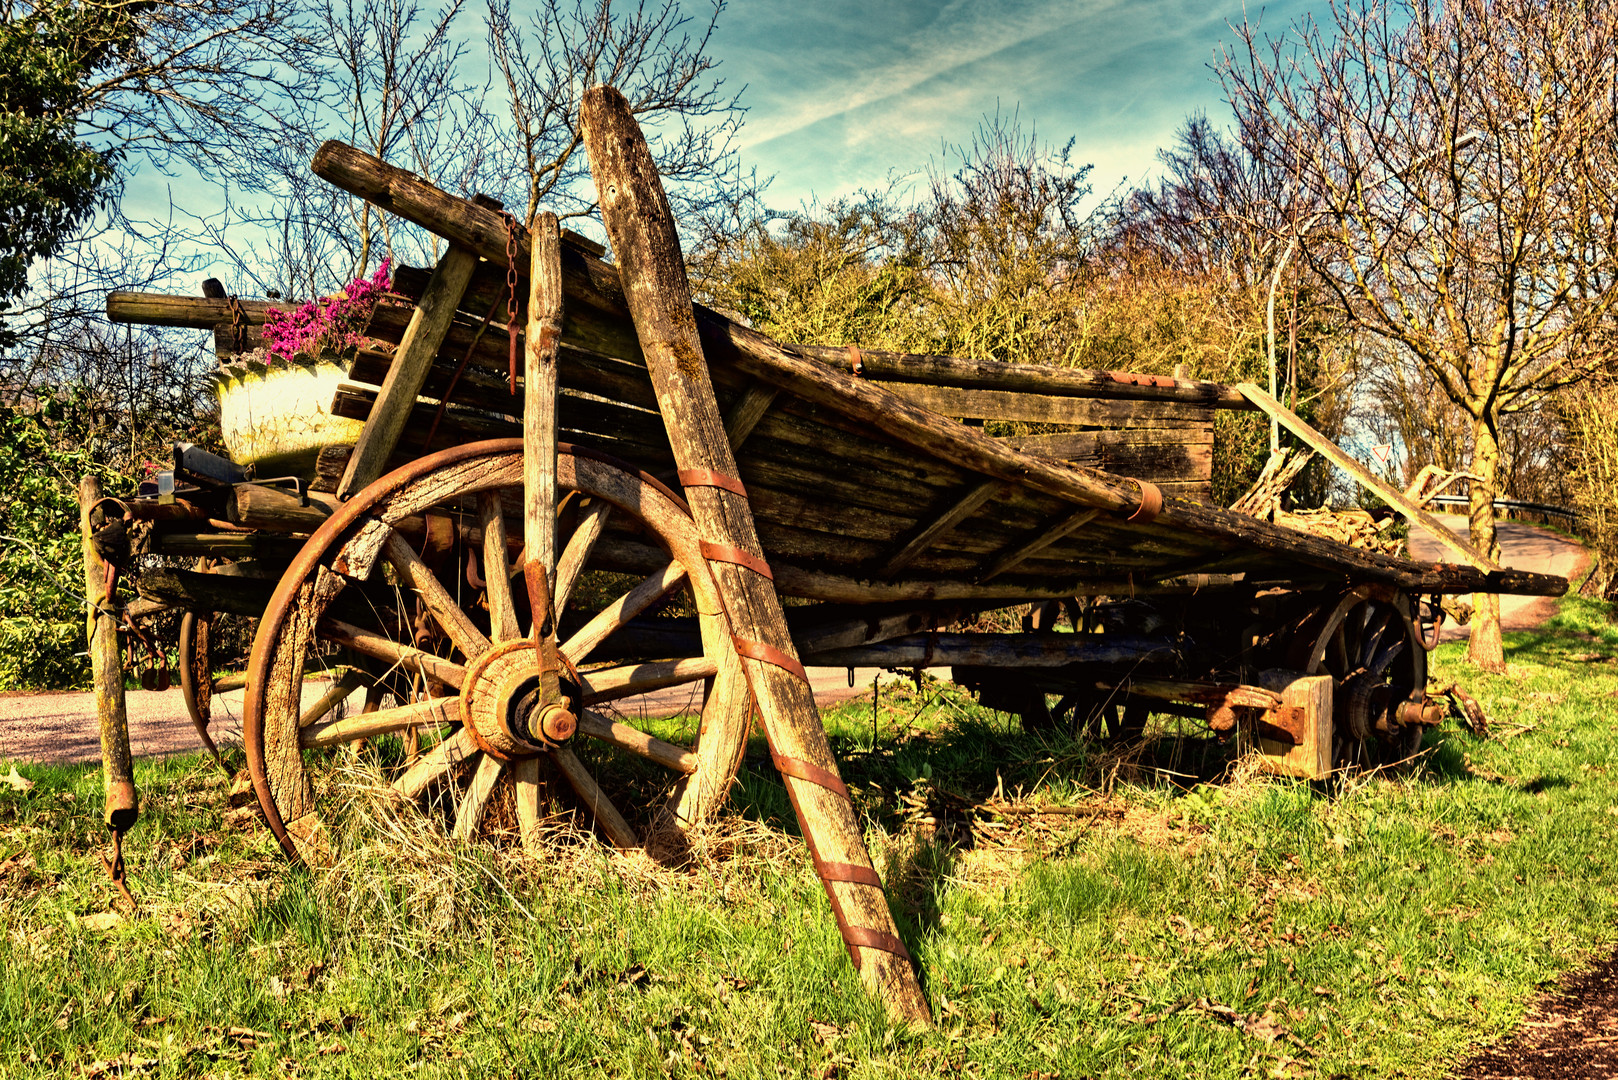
(1485, 649)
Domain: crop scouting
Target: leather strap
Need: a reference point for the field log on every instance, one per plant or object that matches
(769, 654)
(799, 769)
(725, 553)
(709, 478)
(1151, 501)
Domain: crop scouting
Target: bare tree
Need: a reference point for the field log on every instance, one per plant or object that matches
(652, 52)
(1462, 159)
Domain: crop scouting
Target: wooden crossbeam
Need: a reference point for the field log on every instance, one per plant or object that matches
(428, 326)
(963, 509)
(1030, 548)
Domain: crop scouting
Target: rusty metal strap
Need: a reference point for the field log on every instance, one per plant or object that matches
(769, 654)
(852, 873)
(709, 478)
(1151, 501)
(866, 938)
(856, 363)
(727, 554)
(799, 769)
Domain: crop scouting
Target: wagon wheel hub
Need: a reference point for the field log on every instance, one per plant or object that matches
(511, 707)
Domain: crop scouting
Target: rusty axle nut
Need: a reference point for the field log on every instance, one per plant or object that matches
(557, 724)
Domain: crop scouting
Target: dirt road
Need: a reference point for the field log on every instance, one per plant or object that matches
(1522, 547)
(60, 728)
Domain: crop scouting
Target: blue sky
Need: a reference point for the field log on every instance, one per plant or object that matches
(841, 93)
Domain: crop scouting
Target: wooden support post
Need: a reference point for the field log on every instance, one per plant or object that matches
(544, 332)
(636, 212)
(107, 672)
(428, 327)
(747, 412)
(1389, 494)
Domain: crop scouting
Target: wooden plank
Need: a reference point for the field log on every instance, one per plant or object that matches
(1039, 543)
(199, 313)
(421, 342)
(1044, 408)
(644, 239)
(964, 508)
(539, 404)
(999, 650)
(1387, 492)
(1028, 378)
(745, 414)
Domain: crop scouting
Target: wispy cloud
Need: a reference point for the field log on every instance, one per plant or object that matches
(843, 93)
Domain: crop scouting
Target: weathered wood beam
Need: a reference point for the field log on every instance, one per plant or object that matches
(1387, 492)
(199, 313)
(1027, 550)
(943, 523)
(998, 650)
(1028, 378)
(747, 412)
(636, 213)
(121, 805)
(397, 398)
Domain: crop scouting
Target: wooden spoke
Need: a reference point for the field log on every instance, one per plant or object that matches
(434, 712)
(636, 741)
(621, 610)
(497, 568)
(577, 552)
(448, 614)
(611, 684)
(469, 812)
(595, 800)
(430, 694)
(346, 684)
(407, 657)
(230, 682)
(525, 772)
(436, 764)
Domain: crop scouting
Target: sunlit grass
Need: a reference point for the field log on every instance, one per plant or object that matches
(1145, 920)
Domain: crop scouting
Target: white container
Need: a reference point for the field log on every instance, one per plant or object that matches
(278, 418)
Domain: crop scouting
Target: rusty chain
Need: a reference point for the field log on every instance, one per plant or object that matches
(238, 324)
(115, 868)
(511, 295)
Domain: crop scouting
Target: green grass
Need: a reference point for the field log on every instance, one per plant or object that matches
(1169, 926)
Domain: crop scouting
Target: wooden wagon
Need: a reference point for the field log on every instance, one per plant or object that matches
(505, 553)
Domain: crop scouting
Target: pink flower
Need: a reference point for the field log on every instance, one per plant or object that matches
(335, 324)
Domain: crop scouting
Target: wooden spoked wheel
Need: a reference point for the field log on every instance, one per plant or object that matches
(489, 706)
(1368, 642)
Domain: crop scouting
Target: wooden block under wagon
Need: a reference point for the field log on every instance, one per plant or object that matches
(1311, 759)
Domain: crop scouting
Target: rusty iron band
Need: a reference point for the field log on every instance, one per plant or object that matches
(852, 873)
(726, 554)
(709, 478)
(856, 363)
(769, 654)
(1151, 501)
(810, 773)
